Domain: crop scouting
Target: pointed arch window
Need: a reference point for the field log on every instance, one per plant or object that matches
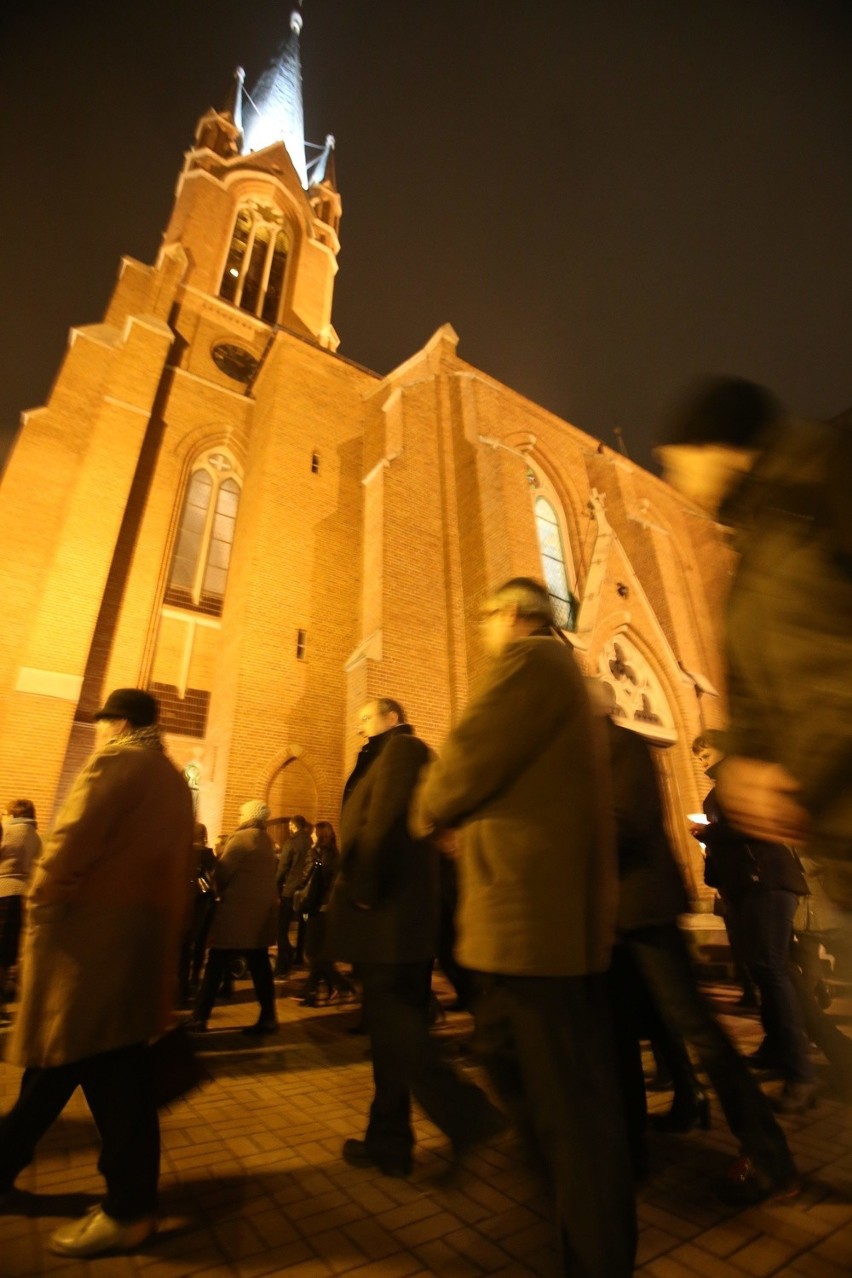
(256, 265)
(199, 569)
(556, 565)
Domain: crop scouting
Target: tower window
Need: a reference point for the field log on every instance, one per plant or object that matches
(301, 639)
(314, 463)
(202, 554)
(256, 265)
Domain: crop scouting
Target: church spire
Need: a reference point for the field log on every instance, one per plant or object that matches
(275, 112)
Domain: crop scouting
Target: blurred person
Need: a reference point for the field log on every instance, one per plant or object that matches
(652, 953)
(523, 777)
(761, 884)
(106, 913)
(20, 848)
(204, 900)
(708, 748)
(311, 900)
(815, 931)
(293, 862)
(383, 917)
(783, 486)
(244, 921)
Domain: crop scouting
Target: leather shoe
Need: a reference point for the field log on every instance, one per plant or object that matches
(796, 1098)
(195, 1026)
(746, 1184)
(684, 1115)
(97, 1232)
(262, 1027)
(357, 1153)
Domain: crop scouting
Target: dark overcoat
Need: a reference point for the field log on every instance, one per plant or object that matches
(384, 906)
(524, 776)
(651, 889)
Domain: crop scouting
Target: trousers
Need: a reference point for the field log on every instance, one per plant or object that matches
(117, 1088)
(260, 971)
(407, 1062)
(548, 1044)
(662, 961)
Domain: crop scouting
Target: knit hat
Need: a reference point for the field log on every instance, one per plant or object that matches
(139, 708)
(722, 410)
(253, 810)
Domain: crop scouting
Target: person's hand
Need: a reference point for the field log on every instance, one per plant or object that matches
(761, 799)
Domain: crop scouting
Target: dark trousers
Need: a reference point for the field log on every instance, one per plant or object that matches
(765, 922)
(260, 970)
(547, 1043)
(407, 1062)
(284, 961)
(117, 1088)
(662, 960)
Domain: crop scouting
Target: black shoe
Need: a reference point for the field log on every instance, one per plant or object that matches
(683, 1115)
(195, 1026)
(746, 1184)
(358, 1154)
(262, 1027)
(823, 995)
(796, 1098)
(310, 1000)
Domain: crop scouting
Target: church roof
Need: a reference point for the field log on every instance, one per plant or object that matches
(274, 107)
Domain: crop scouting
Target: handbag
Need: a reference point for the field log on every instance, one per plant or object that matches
(307, 899)
(175, 1068)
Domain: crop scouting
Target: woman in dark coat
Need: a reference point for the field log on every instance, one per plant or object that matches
(311, 900)
(246, 918)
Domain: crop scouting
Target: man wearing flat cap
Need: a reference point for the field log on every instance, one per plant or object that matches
(784, 487)
(106, 911)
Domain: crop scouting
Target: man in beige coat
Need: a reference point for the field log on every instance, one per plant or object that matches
(107, 908)
(523, 777)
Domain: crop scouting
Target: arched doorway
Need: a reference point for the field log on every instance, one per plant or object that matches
(292, 791)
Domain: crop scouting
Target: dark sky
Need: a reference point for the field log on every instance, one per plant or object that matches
(603, 197)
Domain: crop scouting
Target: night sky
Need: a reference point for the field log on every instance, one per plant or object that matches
(603, 197)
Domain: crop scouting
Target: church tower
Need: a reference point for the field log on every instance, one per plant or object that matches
(190, 404)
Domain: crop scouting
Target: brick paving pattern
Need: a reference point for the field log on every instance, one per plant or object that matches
(253, 1183)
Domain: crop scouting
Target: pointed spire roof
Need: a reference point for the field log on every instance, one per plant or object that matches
(275, 112)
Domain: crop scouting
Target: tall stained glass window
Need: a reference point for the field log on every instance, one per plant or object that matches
(202, 554)
(554, 564)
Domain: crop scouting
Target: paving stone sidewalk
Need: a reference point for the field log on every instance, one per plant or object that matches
(253, 1183)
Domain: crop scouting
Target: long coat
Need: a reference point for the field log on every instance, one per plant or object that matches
(651, 888)
(385, 902)
(108, 905)
(524, 777)
(789, 631)
(246, 917)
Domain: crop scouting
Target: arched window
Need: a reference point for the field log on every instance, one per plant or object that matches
(556, 566)
(256, 265)
(199, 568)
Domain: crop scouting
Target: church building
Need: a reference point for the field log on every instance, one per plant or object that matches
(215, 504)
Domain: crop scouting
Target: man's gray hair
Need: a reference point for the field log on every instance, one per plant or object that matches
(529, 596)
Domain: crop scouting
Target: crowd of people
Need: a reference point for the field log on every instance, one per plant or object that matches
(531, 856)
